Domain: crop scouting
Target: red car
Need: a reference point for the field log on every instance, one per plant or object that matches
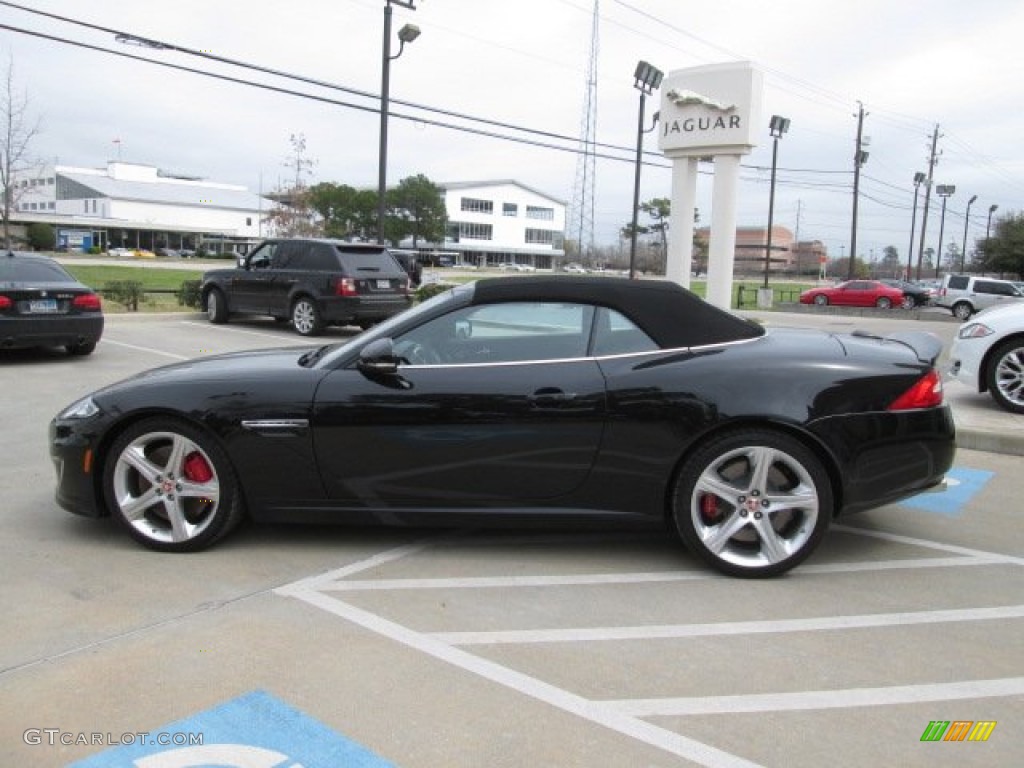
(855, 293)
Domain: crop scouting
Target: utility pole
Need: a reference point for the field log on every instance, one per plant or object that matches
(933, 158)
(859, 158)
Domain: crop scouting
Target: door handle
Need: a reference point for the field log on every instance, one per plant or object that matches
(551, 397)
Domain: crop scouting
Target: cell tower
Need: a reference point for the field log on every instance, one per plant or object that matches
(581, 215)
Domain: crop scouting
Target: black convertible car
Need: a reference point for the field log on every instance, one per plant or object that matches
(525, 399)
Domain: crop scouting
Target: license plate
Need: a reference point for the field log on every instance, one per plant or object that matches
(383, 284)
(42, 306)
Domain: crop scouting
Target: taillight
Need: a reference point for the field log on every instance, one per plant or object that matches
(345, 286)
(925, 393)
(5, 302)
(87, 301)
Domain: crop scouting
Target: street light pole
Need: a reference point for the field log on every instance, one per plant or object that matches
(777, 127)
(918, 179)
(646, 79)
(943, 191)
(967, 221)
(407, 34)
(988, 227)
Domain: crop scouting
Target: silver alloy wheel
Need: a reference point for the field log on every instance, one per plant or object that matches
(1008, 376)
(884, 303)
(962, 311)
(821, 300)
(304, 317)
(156, 489)
(908, 302)
(767, 504)
(212, 309)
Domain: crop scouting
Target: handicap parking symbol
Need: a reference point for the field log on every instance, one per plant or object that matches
(255, 730)
(962, 485)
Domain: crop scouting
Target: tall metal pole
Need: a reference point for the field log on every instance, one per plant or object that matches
(927, 199)
(636, 186)
(771, 210)
(382, 153)
(857, 162)
(967, 221)
(918, 178)
(944, 193)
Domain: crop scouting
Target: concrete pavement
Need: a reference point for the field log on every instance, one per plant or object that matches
(981, 425)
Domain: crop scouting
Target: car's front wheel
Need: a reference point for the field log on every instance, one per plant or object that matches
(752, 503)
(172, 485)
(1006, 375)
(216, 307)
(962, 310)
(306, 317)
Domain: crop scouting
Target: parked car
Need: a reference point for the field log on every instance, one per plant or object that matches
(855, 293)
(43, 305)
(575, 269)
(121, 253)
(312, 282)
(964, 295)
(914, 294)
(525, 399)
(988, 354)
(411, 265)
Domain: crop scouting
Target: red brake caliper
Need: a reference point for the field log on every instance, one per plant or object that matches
(709, 511)
(197, 469)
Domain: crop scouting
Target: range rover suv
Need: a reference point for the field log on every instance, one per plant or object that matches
(963, 295)
(312, 283)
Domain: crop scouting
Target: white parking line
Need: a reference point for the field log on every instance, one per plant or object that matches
(229, 329)
(851, 697)
(149, 350)
(717, 629)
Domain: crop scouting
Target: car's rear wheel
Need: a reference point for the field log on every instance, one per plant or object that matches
(306, 319)
(908, 302)
(85, 348)
(753, 503)
(821, 300)
(172, 486)
(1006, 375)
(216, 307)
(962, 310)
(883, 302)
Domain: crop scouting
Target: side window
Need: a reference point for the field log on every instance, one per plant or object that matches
(957, 282)
(616, 334)
(501, 333)
(321, 258)
(261, 258)
(288, 256)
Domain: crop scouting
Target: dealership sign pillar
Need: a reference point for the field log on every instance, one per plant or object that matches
(708, 112)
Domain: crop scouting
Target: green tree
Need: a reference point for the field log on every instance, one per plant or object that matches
(41, 236)
(1004, 250)
(890, 265)
(417, 209)
(344, 211)
(658, 210)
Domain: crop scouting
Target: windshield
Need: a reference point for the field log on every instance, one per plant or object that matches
(455, 295)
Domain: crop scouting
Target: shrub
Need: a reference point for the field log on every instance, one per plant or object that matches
(41, 237)
(429, 290)
(127, 292)
(188, 294)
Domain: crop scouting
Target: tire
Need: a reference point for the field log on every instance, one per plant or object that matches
(962, 310)
(306, 318)
(1005, 375)
(80, 350)
(171, 485)
(908, 302)
(821, 300)
(883, 302)
(216, 306)
(753, 503)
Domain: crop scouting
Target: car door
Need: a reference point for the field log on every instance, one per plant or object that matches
(289, 264)
(251, 284)
(504, 410)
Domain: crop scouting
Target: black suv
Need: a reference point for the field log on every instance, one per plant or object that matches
(312, 282)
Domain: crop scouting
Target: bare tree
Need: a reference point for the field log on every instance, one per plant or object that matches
(17, 129)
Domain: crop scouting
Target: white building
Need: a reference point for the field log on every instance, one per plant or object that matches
(495, 222)
(138, 206)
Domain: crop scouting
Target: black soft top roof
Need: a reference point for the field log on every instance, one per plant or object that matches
(670, 314)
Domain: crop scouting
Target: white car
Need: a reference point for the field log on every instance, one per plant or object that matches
(988, 355)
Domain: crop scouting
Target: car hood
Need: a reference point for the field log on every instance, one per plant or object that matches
(1007, 315)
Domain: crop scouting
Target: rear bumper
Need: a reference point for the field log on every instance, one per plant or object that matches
(342, 310)
(49, 330)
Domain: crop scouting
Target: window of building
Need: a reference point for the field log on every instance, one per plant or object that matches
(248, 221)
(31, 206)
(476, 205)
(51, 180)
(85, 206)
(536, 212)
(472, 231)
(51, 205)
(510, 209)
(544, 236)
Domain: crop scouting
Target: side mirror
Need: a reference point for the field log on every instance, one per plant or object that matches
(378, 358)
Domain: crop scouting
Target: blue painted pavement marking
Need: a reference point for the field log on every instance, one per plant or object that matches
(255, 730)
(963, 485)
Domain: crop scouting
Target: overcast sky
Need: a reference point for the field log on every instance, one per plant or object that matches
(913, 64)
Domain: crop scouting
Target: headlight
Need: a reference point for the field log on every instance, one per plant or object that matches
(83, 409)
(974, 331)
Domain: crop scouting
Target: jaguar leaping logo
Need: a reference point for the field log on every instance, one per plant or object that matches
(690, 98)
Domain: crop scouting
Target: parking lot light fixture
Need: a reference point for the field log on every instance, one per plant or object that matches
(406, 34)
(967, 221)
(646, 79)
(944, 191)
(777, 128)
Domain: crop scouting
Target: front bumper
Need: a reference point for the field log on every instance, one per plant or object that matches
(74, 460)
